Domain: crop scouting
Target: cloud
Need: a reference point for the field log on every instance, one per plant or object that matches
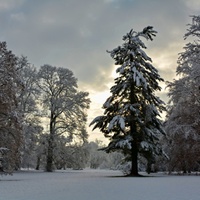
(9, 4)
(193, 4)
(18, 17)
(76, 34)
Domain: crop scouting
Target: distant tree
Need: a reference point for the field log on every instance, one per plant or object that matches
(10, 117)
(41, 151)
(65, 154)
(131, 112)
(62, 104)
(96, 158)
(183, 121)
(100, 159)
(28, 107)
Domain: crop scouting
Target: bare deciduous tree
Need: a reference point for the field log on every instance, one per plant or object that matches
(62, 104)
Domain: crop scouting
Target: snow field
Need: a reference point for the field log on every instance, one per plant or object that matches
(96, 185)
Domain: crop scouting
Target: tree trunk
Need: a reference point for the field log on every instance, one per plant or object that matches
(134, 148)
(38, 163)
(49, 165)
(134, 159)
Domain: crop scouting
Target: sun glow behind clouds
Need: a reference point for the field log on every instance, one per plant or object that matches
(96, 107)
(97, 101)
(193, 4)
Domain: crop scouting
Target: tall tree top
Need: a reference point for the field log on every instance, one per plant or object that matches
(133, 97)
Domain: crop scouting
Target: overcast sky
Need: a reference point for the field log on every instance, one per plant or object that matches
(76, 34)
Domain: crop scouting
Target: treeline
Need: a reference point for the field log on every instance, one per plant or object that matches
(42, 113)
(43, 119)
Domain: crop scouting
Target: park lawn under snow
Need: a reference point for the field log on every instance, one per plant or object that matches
(97, 185)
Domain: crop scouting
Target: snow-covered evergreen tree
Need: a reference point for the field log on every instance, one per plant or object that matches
(131, 112)
(183, 121)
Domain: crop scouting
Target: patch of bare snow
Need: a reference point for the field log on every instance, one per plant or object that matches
(97, 185)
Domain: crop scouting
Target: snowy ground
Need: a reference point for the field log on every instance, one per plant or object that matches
(96, 185)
